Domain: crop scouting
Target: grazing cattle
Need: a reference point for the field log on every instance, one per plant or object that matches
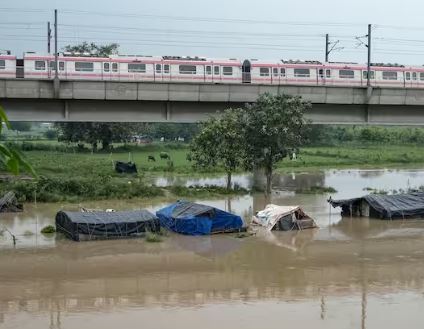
(151, 158)
(164, 155)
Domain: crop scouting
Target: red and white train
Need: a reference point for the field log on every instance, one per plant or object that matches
(207, 70)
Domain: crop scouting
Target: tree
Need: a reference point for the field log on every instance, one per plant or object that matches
(273, 125)
(94, 133)
(10, 157)
(94, 49)
(220, 143)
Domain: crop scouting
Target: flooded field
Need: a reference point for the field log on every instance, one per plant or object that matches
(350, 273)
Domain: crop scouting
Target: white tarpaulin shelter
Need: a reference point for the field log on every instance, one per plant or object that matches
(283, 218)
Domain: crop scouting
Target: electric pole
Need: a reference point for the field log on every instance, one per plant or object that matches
(56, 73)
(369, 56)
(333, 45)
(49, 37)
(327, 42)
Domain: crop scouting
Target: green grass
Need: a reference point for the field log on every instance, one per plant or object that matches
(356, 156)
(74, 177)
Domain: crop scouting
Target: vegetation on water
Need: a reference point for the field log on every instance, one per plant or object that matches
(153, 237)
(394, 191)
(317, 190)
(257, 136)
(49, 229)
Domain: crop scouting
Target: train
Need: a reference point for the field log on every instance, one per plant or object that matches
(83, 66)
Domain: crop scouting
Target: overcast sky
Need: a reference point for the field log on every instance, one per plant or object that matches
(266, 29)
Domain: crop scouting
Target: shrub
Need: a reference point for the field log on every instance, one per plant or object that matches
(49, 229)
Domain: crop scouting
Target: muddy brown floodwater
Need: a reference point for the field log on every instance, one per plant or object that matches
(350, 273)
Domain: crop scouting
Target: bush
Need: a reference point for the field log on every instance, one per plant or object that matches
(49, 229)
(153, 237)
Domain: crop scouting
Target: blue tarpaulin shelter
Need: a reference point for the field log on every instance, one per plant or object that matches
(196, 219)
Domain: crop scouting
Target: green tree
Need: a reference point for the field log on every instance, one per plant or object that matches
(273, 125)
(94, 133)
(92, 48)
(220, 143)
(9, 157)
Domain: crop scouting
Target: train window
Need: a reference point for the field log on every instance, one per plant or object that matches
(216, 70)
(389, 75)
(346, 74)
(84, 66)
(421, 76)
(227, 70)
(264, 71)
(414, 75)
(187, 69)
(106, 67)
(208, 70)
(166, 68)
(52, 65)
(140, 68)
(275, 72)
(408, 76)
(302, 73)
(2, 64)
(328, 73)
(61, 66)
(158, 68)
(365, 75)
(283, 72)
(40, 65)
(115, 67)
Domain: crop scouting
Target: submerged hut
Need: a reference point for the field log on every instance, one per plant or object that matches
(9, 203)
(103, 225)
(399, 206)
(197, 219)
(283, 218)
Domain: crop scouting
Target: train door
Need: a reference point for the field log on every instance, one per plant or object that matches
(158, 72)
(245, 71)
(208, 73)
(106, 70)
(216, 73)
(275, 77)
(408, 82)
(114, 71)
(166, 72)
(20, 69)
(321, 76)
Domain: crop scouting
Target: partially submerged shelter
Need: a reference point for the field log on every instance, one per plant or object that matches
(197, 219)
(283, 218)
(9, 203)
(398, 206)
(103, 225)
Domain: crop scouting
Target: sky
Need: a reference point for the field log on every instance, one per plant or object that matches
(266, 29)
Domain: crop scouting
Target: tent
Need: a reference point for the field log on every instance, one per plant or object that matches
(383, 206)
(197, 219)
(100, 224)
(283, 218)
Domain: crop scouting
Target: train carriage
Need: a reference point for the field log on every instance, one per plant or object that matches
(7, 66)
(74, 66)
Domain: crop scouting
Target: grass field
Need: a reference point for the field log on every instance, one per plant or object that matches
(82, 176)
(312, 158)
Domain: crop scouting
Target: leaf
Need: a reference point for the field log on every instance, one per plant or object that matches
(3, 118)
